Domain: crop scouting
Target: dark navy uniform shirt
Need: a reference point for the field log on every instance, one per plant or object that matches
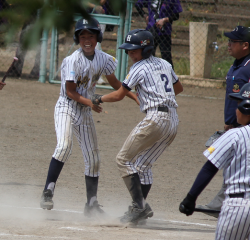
(237, 76)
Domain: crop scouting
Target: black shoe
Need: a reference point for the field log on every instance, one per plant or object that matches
(92, 211)
(46, 200)
(135, 215)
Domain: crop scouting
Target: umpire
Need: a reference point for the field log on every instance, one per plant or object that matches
(237, 76)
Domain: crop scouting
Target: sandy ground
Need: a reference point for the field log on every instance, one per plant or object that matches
(27, 141)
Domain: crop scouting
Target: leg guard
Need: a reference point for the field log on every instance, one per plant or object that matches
(134, 187)
(145, 190)
(91, 189)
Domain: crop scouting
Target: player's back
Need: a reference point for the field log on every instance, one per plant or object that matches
(153, 79)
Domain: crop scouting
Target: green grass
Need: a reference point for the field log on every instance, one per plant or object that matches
(219, 68)
(181, 66)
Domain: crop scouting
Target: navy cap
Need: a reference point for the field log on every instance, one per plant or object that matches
(239, 33)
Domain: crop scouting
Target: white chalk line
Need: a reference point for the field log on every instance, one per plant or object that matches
(80, 212)
(82, 229)
(53, 210)
(32, 236)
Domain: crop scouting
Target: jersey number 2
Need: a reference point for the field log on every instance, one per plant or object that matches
(163, 78)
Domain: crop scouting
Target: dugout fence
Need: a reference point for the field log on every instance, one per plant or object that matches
(56, 45)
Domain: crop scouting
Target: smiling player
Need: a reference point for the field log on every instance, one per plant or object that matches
(79, 73)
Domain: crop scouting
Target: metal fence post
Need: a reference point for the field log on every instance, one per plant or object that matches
(126, 30)
(53, 53)
(43, 72)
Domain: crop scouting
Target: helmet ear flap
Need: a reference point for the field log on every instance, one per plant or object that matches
(99, 37)
(147, 52)
(76, 38)
(244, 107)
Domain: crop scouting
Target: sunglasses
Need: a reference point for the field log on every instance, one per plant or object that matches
(234, 41)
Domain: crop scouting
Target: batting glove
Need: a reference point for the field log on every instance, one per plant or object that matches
(96, 99)
(187, 206)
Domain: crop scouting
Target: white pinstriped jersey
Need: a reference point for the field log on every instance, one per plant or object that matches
(85, 73)
(232, 152)
(153, 79)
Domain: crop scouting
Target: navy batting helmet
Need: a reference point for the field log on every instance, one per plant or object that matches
(92, 25)
(244, 96)
(139, 38)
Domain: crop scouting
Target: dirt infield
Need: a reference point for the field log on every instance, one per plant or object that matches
(27, 141)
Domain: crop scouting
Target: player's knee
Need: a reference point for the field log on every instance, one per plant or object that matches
(63, 151)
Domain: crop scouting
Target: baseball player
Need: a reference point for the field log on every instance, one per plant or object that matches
(230, 152)
(156, 85)
(237, 76)
(2, 84)
(79, 73)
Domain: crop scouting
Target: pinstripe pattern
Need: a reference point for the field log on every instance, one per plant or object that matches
(153, 79)
(234, 220)
(146, 143)
(73, 117)
(146, 159)
(85, 73)
(232, 153)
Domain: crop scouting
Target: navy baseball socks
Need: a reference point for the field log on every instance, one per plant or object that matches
(92, 208)
(48, 192)
(140, 210)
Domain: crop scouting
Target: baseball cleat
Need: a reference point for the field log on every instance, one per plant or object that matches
(95, 210)
(46, 200)
(216, 215)
(136, 215)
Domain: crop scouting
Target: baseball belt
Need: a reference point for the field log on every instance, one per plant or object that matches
(161, 109)
(237, 195)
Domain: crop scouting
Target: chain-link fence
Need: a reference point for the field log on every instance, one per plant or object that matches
(169, 21)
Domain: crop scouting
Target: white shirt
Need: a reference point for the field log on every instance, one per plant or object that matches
(232, 152)
(153, 79)
(85, 73)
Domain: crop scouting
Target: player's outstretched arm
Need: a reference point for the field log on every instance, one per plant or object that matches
(116, 84)
(115, 96)
(178, 88)
(203, 178)
(2, 85)
(72, 94)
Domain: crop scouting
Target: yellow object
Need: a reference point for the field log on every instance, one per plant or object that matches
(211, 149)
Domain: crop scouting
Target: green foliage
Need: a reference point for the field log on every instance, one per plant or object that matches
(181, 66)
(220, 69)
(57, 13)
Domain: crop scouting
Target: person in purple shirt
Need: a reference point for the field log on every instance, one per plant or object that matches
(161, 14)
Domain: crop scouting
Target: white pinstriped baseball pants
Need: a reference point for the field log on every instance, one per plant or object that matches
(234, 220)
(146, 143)
(77, 119)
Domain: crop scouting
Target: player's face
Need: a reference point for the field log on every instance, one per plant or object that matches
(135, 55)
(235, 48)
(88, 42)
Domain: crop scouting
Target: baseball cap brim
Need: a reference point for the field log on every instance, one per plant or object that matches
(129, 46)
(236, 96)
(232, 36)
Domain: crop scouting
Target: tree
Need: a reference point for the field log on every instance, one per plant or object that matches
(57, 13)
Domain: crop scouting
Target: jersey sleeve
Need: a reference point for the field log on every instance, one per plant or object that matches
(174, 76)
(69, 69)
(110, 66)
(132, 79)
(221, 152)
